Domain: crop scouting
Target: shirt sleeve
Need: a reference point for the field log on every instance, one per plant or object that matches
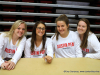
(1, 48)
(49, 47)
(95, 44)
(19, 51)
(77, 46)
(53, 43)
(27, 49)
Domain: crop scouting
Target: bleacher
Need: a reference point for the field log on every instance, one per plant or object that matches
(47, 10)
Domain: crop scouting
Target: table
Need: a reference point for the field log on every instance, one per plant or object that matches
(59, 66)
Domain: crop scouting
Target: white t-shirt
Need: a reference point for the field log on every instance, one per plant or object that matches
(37, 50)
(7, 49)
(67, 47)
(93, 48)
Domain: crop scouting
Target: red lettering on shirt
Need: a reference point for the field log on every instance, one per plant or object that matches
(69, 44)
(65, 45)
(58, 46)
(37, 52)
(72, 44)
(16, 49)
(9, 50)
(33, 53)
(86, 50)
(43, 51)
(13, 51)
(83, 49)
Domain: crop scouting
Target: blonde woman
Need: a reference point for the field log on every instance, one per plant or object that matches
(12, 45)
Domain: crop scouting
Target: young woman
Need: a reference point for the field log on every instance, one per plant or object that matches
(12, 45)
(39, 45)
(65, 42)
(89, 43)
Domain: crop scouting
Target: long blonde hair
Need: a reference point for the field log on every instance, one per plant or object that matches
(14, 26)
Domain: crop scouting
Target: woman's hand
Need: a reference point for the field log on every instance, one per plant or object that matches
(11, 65)
(4, 65)
(48, 58)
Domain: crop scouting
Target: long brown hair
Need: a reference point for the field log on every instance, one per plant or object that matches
(61, 18)
(85, 37)
(34, 35)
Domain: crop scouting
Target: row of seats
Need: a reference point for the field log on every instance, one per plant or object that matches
(47, 11)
